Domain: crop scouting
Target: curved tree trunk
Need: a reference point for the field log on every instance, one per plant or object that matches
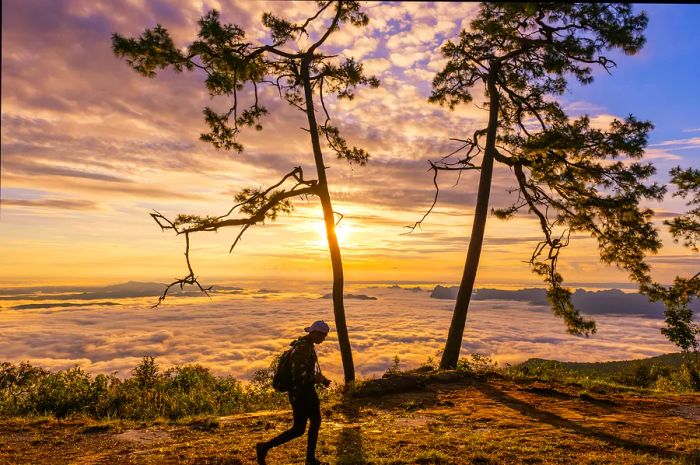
(329, 218)
(450, 355)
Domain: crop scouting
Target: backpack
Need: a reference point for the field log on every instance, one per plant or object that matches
(282, 381)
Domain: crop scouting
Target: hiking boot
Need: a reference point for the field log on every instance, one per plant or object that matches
(315, 461)
(260, 452)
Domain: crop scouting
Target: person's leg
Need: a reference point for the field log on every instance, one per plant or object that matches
(314, 413)
(300, 413)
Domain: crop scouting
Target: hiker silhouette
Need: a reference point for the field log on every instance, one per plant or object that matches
(304, 374)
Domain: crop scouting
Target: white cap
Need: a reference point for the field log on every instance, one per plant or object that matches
(320, 326)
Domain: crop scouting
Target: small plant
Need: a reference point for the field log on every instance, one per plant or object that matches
(395, 367)
(477, 363)
(430, 364)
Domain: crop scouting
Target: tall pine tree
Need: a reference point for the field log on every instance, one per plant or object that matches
(303, 75)
(571, 176)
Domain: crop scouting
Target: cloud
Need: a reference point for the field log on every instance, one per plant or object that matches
(660, 154)
(689, 142)
(52, 203)
(238, 334)
(82, 127)
(40, 169)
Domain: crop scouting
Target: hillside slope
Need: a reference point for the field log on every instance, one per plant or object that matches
(608, 368)
(467, 420)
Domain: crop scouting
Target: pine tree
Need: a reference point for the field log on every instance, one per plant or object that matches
(301, 75)
(571, 176)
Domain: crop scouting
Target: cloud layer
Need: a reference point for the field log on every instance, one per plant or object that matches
(237, 334)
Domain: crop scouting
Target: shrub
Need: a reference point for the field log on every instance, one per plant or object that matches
(18, 387)
(178, 392)
(477, 363)
(395, 367)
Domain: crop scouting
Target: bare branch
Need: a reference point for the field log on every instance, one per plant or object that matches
(238, 238)
(302, 28)
(180, 225)
(418, 223)
(339, 219)
(190, 279)
(330, 29)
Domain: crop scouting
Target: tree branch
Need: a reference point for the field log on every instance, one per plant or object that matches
(187, 224)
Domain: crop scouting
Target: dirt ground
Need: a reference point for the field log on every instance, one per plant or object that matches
(467, 422)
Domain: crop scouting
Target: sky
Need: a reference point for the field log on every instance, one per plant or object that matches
(89, 148)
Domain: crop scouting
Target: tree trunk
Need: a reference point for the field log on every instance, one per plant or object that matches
(329, 218)
(450, 355)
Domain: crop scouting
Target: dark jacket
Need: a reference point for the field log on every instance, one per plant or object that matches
(304, 365)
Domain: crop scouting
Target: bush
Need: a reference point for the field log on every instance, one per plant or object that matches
(178, 392)
(684, 377)
(477, 363)
(18, 387)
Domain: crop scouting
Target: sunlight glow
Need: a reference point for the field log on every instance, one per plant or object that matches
(343, 231)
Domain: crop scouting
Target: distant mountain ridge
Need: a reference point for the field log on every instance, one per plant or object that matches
(113, 291)
(611, 301)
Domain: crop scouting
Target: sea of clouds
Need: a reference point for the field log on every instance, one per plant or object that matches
(238, 333)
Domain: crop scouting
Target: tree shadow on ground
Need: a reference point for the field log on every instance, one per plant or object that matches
(350, 449)
(560, 422)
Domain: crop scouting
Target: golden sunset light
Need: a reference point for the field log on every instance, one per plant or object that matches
(515, 194)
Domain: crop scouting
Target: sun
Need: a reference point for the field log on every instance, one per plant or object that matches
(343, 231)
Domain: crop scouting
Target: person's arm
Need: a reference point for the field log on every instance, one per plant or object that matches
(319, 378)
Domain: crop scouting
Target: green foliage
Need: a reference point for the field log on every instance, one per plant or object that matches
(572, 177)
(194, 221)
(255, 202)
(429, 364)
(231, 62)
(687, 227)
(536, 46)
(342, 79)
(477, 363)
(154, 49)
(148, 394)
(672, 373)
(395, 367)
(680, 327)
(560, 299)
(221, 136)
(340, 146)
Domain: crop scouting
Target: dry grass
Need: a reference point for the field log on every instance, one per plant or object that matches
(467, 421)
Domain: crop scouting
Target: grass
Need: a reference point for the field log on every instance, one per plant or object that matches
(473, 420)
(479, 414)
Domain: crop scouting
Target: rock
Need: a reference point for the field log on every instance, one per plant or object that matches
(390, 384)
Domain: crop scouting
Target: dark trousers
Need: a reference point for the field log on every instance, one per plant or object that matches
(305, 406)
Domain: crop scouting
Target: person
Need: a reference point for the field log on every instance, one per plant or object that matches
(302, 395)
